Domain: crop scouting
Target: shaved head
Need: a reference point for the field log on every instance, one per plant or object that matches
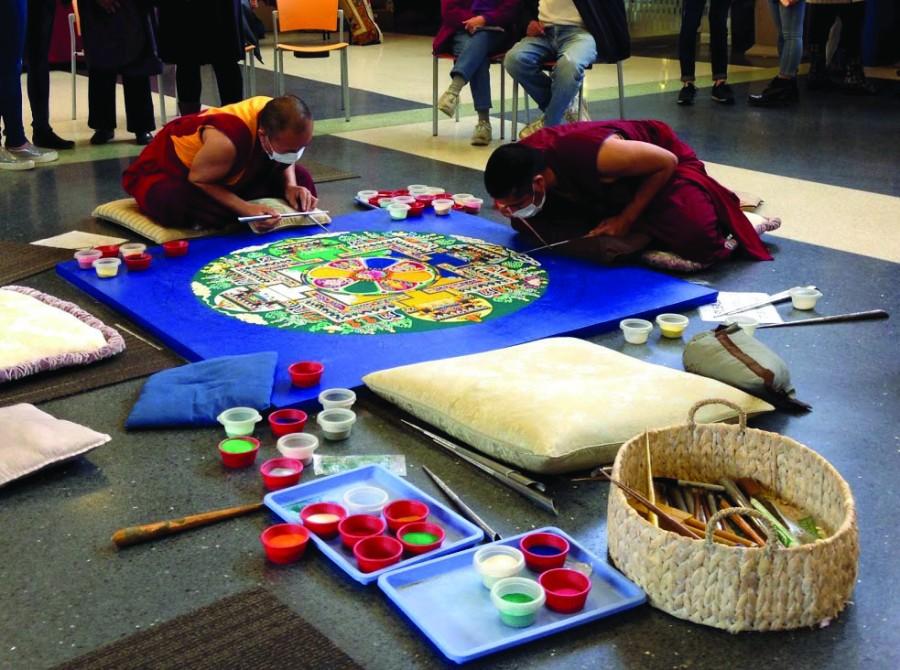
(287, 113)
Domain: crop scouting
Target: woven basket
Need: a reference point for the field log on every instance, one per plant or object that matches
(736, 588)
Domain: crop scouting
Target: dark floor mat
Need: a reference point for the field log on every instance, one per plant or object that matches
(18, 260)
(251, 630)
(322, 173)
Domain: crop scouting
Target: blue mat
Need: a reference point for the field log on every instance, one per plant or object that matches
(578, 298)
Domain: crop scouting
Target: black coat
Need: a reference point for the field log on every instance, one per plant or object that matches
(605, 20)
(200, 31)
(124, 41)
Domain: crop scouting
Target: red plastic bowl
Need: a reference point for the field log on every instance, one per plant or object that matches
(273, 482)
(416, 209)
(358, 526)
(284, 542)
(305, 373)
(567, 590)
(399, 191)
(376, 553)
(420, 527)
(286, 421)
(328, 529)
(239, 460)
(175, 248)
(138, 261)
(401, 512)
(425, 199)
(108, 250)
(544, 551)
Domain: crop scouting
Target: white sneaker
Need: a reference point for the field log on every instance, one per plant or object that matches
(532, 127)
(483, 134)
(10, 162)
(448, 102)
(577, 113)
(30, 152)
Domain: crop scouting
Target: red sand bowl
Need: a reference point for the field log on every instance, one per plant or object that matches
(140, 261)
(401, 512)
(284, 542)
(325, 530)
(376, 553)
(241, 459)
(273, 482)
(108, 250)
(286, 421)
(175, 248)
(421, 527)
(567, 590)
(305, 373)
(359, 526)
(541, 559)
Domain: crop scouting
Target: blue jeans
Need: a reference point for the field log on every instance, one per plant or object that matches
(12, 45)
(472, 53)
(789, 21)
(572, 48)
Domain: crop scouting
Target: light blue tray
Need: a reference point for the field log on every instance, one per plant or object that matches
(287, 503)
(445, 599)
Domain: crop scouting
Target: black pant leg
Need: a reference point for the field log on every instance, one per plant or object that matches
(718, 37)
(138, 104)
(821, 19)
(691, 13)
(187, 82)
(101, 99)
(229, 81)
(37, 49)
(852, 18)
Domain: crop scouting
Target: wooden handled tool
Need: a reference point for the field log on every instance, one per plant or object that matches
(125, 537)
(836, 318)
(722, 536)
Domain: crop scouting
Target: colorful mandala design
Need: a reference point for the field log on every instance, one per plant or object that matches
(367, 283)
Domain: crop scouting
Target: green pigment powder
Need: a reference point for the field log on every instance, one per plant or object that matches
(420, 538)
(237, 446)
(517, 598)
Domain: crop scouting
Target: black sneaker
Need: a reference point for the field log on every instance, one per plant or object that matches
(779, 93)
(687, 94)
(47, 139)
(722, 92)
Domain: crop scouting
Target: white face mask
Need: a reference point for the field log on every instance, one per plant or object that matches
(530, 210)
(288, 158)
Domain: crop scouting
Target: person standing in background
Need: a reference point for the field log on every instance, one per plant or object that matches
(788, 16)
(37, 48)
(822, 15)
(691, 14)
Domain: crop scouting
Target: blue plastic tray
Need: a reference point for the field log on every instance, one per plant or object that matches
(287, 503)
(446, 600)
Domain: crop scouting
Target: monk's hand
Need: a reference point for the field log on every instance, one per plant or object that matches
(534, 29)
(614, 226)
(470, 25)
(252, 209)
(300, 198)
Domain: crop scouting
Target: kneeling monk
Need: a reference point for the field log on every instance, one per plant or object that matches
(201, 169)
(616, 188)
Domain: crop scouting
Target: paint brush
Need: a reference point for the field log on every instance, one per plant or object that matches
(286, 215)
(467, 511)
(771, 300)
(651, 493)
(151, 531)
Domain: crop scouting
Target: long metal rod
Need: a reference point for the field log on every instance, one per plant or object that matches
(836, 318)
(467, 511)
(529, 488)
(771, 300)
(286, 215)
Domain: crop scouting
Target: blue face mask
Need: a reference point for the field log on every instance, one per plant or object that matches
(288, 158)
(531, 210)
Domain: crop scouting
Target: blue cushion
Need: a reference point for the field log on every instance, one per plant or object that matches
(195, 394)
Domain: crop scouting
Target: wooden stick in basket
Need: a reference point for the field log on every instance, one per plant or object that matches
(722, 536)
(743, 525)
(651, 493)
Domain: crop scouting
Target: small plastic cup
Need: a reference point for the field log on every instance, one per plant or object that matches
(286, 421)
(278, 473)
(366, 194)
(323, 518)
(567, 590)
(284, 542)
(417, 188)
(365, 500)
(132, 249)
(460, 198)
(544, 551)
(518, 600)
(356, 527)
(436, 190)
(496, 562)
(636, 331)
(108, 250)
(238, 452)
(385, 202)
(472, 205)
(672, 325)
(298, 445)
(442, 206)
(336, 423)
(137, 262)
(398, 212)
(398, 513)
(377, 553)
(175, 248)
(86, 258)
(239, 421)
(305, 373)
(404, 199)
(337, 397)
(804, 297)
(107, 266)
(421, 537)
(746, 322)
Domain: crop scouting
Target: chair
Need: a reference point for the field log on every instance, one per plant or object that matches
(75, 31)
(549, 66)
(249, 71)
(317, 16)
(496, 59)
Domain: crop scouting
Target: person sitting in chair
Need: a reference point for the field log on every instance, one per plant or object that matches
(617, 188)
(201, 169)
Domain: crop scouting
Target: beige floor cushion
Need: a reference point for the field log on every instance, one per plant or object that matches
(555, 405)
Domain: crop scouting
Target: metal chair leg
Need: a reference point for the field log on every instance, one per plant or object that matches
(345, 83)
(621, 90)
(434, 96)
(515, 112)
(502, 101)
(72, 52)
(245, 79)
(162, 99)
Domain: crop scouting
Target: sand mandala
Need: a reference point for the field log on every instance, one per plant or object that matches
(366, 283)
